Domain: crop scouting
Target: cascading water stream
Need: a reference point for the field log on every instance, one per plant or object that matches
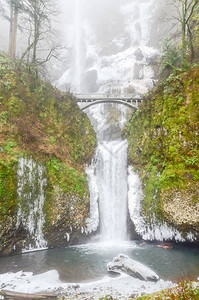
(111, 173)
(114, 188)
(108, 180)
(125, 69)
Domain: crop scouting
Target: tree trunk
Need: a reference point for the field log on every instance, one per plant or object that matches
(11, 28)
(184, 47)
(14, 12)
(10, 295)
(36, 34)
(184, 40)
(192, 53)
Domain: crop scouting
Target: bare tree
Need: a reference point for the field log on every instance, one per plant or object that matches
(14, 14)
(32, 17)
(12, 17)
(193, 31)
(183, 14)
(39, 14)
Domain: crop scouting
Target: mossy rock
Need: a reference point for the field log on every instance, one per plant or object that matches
(46, 125)
(163, 144)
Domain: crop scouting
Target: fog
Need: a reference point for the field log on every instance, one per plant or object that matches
(100, 33)
(90, 32)
(4, 33)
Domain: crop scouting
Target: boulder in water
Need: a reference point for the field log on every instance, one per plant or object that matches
(122, 263)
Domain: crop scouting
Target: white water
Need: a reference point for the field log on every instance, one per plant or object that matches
(125, 69)
(117, 62)
(107, 175)
(112, 55)
(111, 173)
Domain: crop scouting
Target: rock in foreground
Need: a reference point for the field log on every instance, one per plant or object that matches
(122, 263)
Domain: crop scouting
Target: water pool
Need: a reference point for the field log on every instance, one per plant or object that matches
(87, 262)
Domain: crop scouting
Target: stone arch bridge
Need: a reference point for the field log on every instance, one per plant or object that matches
(93, 99)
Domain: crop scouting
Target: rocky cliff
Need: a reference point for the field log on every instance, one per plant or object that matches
(45, 142)
(163, 140)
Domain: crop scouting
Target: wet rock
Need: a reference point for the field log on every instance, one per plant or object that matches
(69, 217)
(181, 208)
(75, 286)
(138, 54)
(134, 295)
(59, 290)
(123, 263)
(138, 71)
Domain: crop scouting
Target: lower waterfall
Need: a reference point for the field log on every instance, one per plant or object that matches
(115, 188)
(107, 176)
(111, 172)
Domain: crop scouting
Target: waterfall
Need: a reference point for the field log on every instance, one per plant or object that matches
(118, 62)
(110, 55)
(107, 175)
(111, 173)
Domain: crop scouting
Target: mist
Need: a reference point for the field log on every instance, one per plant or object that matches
(88, 33)
(109, 43)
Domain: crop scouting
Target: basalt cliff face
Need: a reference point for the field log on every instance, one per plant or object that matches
(45, 142)
(163, 140)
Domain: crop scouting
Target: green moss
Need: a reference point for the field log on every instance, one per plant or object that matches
(163, 137)
(67, 178)
(184, 290)
(46, 125)
(8, 188)
(63, 182)
(152, 193)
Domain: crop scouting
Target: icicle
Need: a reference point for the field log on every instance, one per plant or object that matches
(31, 194)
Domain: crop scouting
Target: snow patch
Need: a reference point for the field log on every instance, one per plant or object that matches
(26, 282)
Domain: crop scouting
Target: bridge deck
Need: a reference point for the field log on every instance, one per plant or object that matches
(98, 97)
(93, 99)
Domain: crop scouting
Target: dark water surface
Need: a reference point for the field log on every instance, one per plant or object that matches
(88, 262)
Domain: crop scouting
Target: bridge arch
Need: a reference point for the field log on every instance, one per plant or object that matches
(134, 107)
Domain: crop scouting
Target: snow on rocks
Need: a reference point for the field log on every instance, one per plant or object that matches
(122, 263)
(121, 287)
(26, 282)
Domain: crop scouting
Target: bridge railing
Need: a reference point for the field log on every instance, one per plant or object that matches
(96, 97)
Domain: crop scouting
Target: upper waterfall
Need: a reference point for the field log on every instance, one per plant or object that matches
(113, 54)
